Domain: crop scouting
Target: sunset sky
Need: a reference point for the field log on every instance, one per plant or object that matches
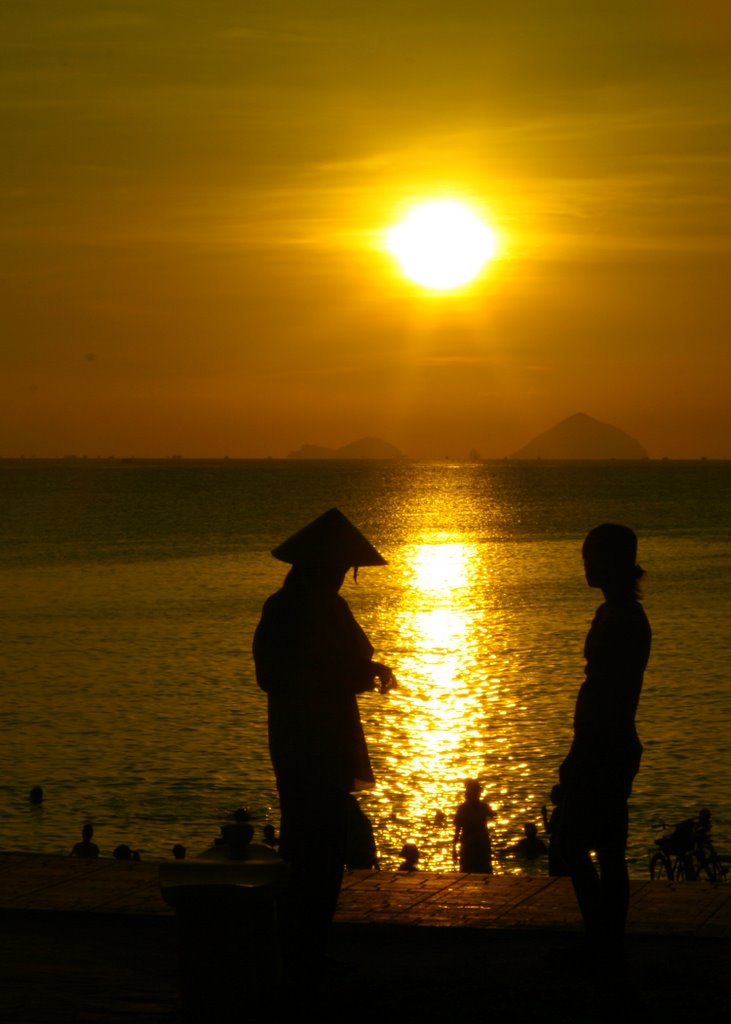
(195, 198)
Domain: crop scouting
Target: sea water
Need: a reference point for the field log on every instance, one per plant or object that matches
(131, 591)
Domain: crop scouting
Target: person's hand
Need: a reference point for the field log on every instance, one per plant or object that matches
(385, 677)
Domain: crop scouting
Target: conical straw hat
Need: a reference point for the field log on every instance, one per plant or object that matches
(331, 539)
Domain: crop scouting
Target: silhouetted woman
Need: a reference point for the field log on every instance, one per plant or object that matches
(597, 775)
(312, 659)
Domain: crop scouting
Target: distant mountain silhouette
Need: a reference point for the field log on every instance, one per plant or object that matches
(366, 448)
(581, 437)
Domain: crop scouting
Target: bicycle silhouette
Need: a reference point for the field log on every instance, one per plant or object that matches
(687, 853)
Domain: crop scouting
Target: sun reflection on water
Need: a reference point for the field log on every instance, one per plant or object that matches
(451, 682)
(458, 614)
(133, 591)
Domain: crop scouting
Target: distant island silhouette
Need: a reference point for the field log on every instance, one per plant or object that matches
(582, 437)
(365, 448)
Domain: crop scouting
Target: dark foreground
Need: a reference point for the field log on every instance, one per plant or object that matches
(66, 967)
(95, 943)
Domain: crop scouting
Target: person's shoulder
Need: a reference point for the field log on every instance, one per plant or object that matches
(341, 603)
(310, 605)
(640, 615)
(634, 613)
(623, 623)
(621, 612)
(334, 605)
(280, 601)
(604, 619)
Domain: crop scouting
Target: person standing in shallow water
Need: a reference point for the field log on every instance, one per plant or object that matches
(471, 833)
(312, 659)
(597, 775)
(86, 848)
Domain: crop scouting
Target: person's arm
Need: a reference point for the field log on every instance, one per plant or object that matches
(384, 675)
(315, 648)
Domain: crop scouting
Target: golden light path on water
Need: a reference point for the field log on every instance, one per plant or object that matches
(455, 715)
(129, 683)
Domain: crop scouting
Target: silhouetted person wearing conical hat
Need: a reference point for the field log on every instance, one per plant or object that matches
(312, 658)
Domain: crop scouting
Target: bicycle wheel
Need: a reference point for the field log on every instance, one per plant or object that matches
(707, 871)
(660, 867)
(708, 867)
(716, 865)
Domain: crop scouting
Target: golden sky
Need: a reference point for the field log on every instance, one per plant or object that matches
(194, 199)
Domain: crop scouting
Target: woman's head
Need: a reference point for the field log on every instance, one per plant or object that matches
(610, 558)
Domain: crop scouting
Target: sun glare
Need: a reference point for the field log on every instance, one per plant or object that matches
(441, 244)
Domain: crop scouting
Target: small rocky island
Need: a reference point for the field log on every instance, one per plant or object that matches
(365, 448)
(582, 437)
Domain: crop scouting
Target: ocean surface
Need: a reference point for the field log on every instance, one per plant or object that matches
(131, 591)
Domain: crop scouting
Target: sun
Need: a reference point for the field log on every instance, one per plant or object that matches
(441, 244)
